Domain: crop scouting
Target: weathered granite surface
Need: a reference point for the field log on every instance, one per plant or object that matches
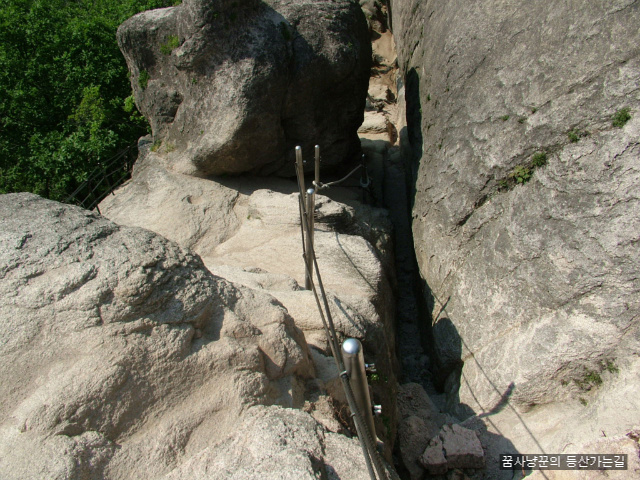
(530, 261)
(122, 356)
(249, 233)
(231, 87)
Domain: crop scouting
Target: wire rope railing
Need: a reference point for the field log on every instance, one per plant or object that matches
(113, 172)
(352, 374)
(104, 179)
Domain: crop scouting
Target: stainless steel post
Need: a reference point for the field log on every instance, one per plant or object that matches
(304, 206)
(300, 169)
(317, 185)
(354, 365)
(309, 247)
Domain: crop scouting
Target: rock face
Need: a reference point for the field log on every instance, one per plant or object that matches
(526, 206)
(231, 87)
(420, 421)
(626, 444)
(250, 234)
(123, 357)
(454, 447)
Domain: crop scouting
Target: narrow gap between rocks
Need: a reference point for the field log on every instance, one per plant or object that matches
(391, 156)
(391, 140)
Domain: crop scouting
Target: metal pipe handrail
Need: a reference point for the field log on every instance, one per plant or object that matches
(353, 358)
(304, 217)
(317, 158)
(309, 243)
(367, 442)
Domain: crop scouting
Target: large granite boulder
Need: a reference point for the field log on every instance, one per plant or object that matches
(230, 87)
(121, 356)
(523, 126)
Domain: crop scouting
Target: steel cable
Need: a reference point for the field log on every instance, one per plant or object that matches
(367, 443)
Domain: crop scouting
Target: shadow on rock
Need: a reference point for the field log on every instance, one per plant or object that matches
(448, 370)
(435, 430)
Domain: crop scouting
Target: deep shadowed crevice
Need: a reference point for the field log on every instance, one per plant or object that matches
(439, 369)
(414, 129)
(399, 193)
(442, 376)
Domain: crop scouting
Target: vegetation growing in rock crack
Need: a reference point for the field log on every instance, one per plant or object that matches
(621, 117)
(575, 135)
(63, 92)
(611, 366)
(521, 174)
(590, 379)
(170, 45)
(539, 159)
(143, 79)
(593, 377)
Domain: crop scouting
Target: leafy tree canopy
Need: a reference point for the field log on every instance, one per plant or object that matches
(63, 91)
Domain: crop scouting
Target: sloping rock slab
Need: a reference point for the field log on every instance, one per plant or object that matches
(121, 356)
(253, 238)
(272, 442)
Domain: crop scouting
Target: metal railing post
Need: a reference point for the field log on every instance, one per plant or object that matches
(309, 248)
(300, 169)
(316, 188)
(354, 365)
(304, 205)
(365, 428)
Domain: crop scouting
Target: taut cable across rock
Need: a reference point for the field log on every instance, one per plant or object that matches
(357, 404)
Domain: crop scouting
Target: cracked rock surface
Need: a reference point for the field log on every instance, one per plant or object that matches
(122, 356)
(525, 218)
(232, 87)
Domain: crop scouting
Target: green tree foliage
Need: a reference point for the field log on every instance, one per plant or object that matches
(63, 91)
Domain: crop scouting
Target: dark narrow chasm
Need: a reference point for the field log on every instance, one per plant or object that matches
(415, 345)
(414, 302)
